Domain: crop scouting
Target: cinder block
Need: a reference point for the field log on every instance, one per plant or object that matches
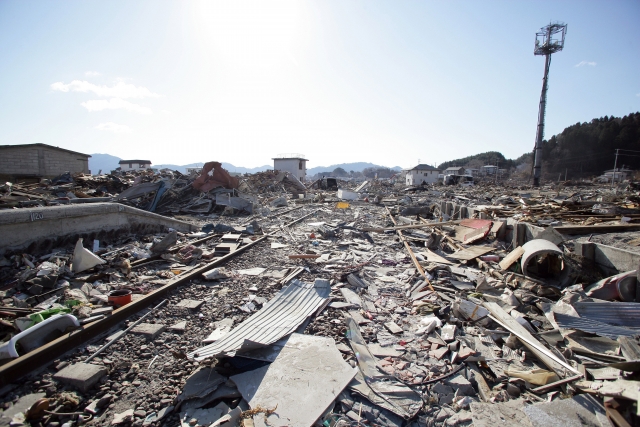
(149, 330)
(83, 376)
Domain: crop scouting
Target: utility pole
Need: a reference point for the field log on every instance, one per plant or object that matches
(545, 45)
(615, 164)
(565, 173)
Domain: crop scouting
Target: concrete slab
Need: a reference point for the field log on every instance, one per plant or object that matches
(179, 327)
(380, 351)
(190, 304)
(306, 366)
(499, 414)
(58, 226)
(83, 376)
(149, 330)
(393, 328)
(461, 385)
(20, 406)
(579, 411)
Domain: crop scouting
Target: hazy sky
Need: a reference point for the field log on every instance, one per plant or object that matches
(388, 82)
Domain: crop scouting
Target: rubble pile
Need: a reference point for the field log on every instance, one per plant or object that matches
(374, 305)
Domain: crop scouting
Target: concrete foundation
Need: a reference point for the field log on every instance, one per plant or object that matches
(37, 230)
(609, 259)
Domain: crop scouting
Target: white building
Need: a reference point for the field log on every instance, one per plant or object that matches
(454, 170)
(421, 174)
(472, 172)
(295, 164)
(620, 175)
(134, 165)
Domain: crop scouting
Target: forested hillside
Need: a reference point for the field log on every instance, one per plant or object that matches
(479, 160)
(588, 149)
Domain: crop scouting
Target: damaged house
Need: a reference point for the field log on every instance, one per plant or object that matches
(40, 161)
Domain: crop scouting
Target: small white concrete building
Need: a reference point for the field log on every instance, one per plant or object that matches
(454, 170)
(295, 164)
(134, 165)
(421, 174)
(620, 175)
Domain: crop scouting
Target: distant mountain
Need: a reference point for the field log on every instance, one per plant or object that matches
(356, 167)
(104, 162)
(228, 166)
(107, 163)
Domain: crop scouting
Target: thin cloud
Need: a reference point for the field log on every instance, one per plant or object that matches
(114, 104)
(92, 74)
(583, 63)
(119, 90)
(113, 127)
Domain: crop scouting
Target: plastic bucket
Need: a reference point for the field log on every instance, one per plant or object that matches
(120, 297)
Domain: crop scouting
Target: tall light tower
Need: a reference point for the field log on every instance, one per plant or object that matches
(549, 39)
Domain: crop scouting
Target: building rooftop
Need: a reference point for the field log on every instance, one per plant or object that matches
(45, 146)
(135, 161)
(423, 167)
(454, 168)
(289, 156)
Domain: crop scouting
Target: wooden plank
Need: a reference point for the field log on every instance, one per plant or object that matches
(545, 355)
(405, 227)
(434, 257)
(513, 256)
(411, 254)
(629, 348)
(471, 252)
(546, 387)
(483, 388)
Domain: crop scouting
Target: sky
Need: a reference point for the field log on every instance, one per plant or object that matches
(388, 82)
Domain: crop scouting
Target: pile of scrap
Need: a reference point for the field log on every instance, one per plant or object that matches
(86, 285)
(396, 308)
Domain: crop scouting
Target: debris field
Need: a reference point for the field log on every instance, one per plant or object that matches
(294, 305)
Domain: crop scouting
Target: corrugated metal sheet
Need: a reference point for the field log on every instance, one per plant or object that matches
(625, 314)
(592, 326)
(279, 317)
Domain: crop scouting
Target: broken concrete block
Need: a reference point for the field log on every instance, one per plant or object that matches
(448, 332)
(190, 304)
(179, 327)
(83, 376)
(580, 410)
(122, 417)
(393, 328)
(149, 330)
(461, 385)
(499, 414)
(442, 389)
(465, 352)
(446, 399)
(439, 353)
